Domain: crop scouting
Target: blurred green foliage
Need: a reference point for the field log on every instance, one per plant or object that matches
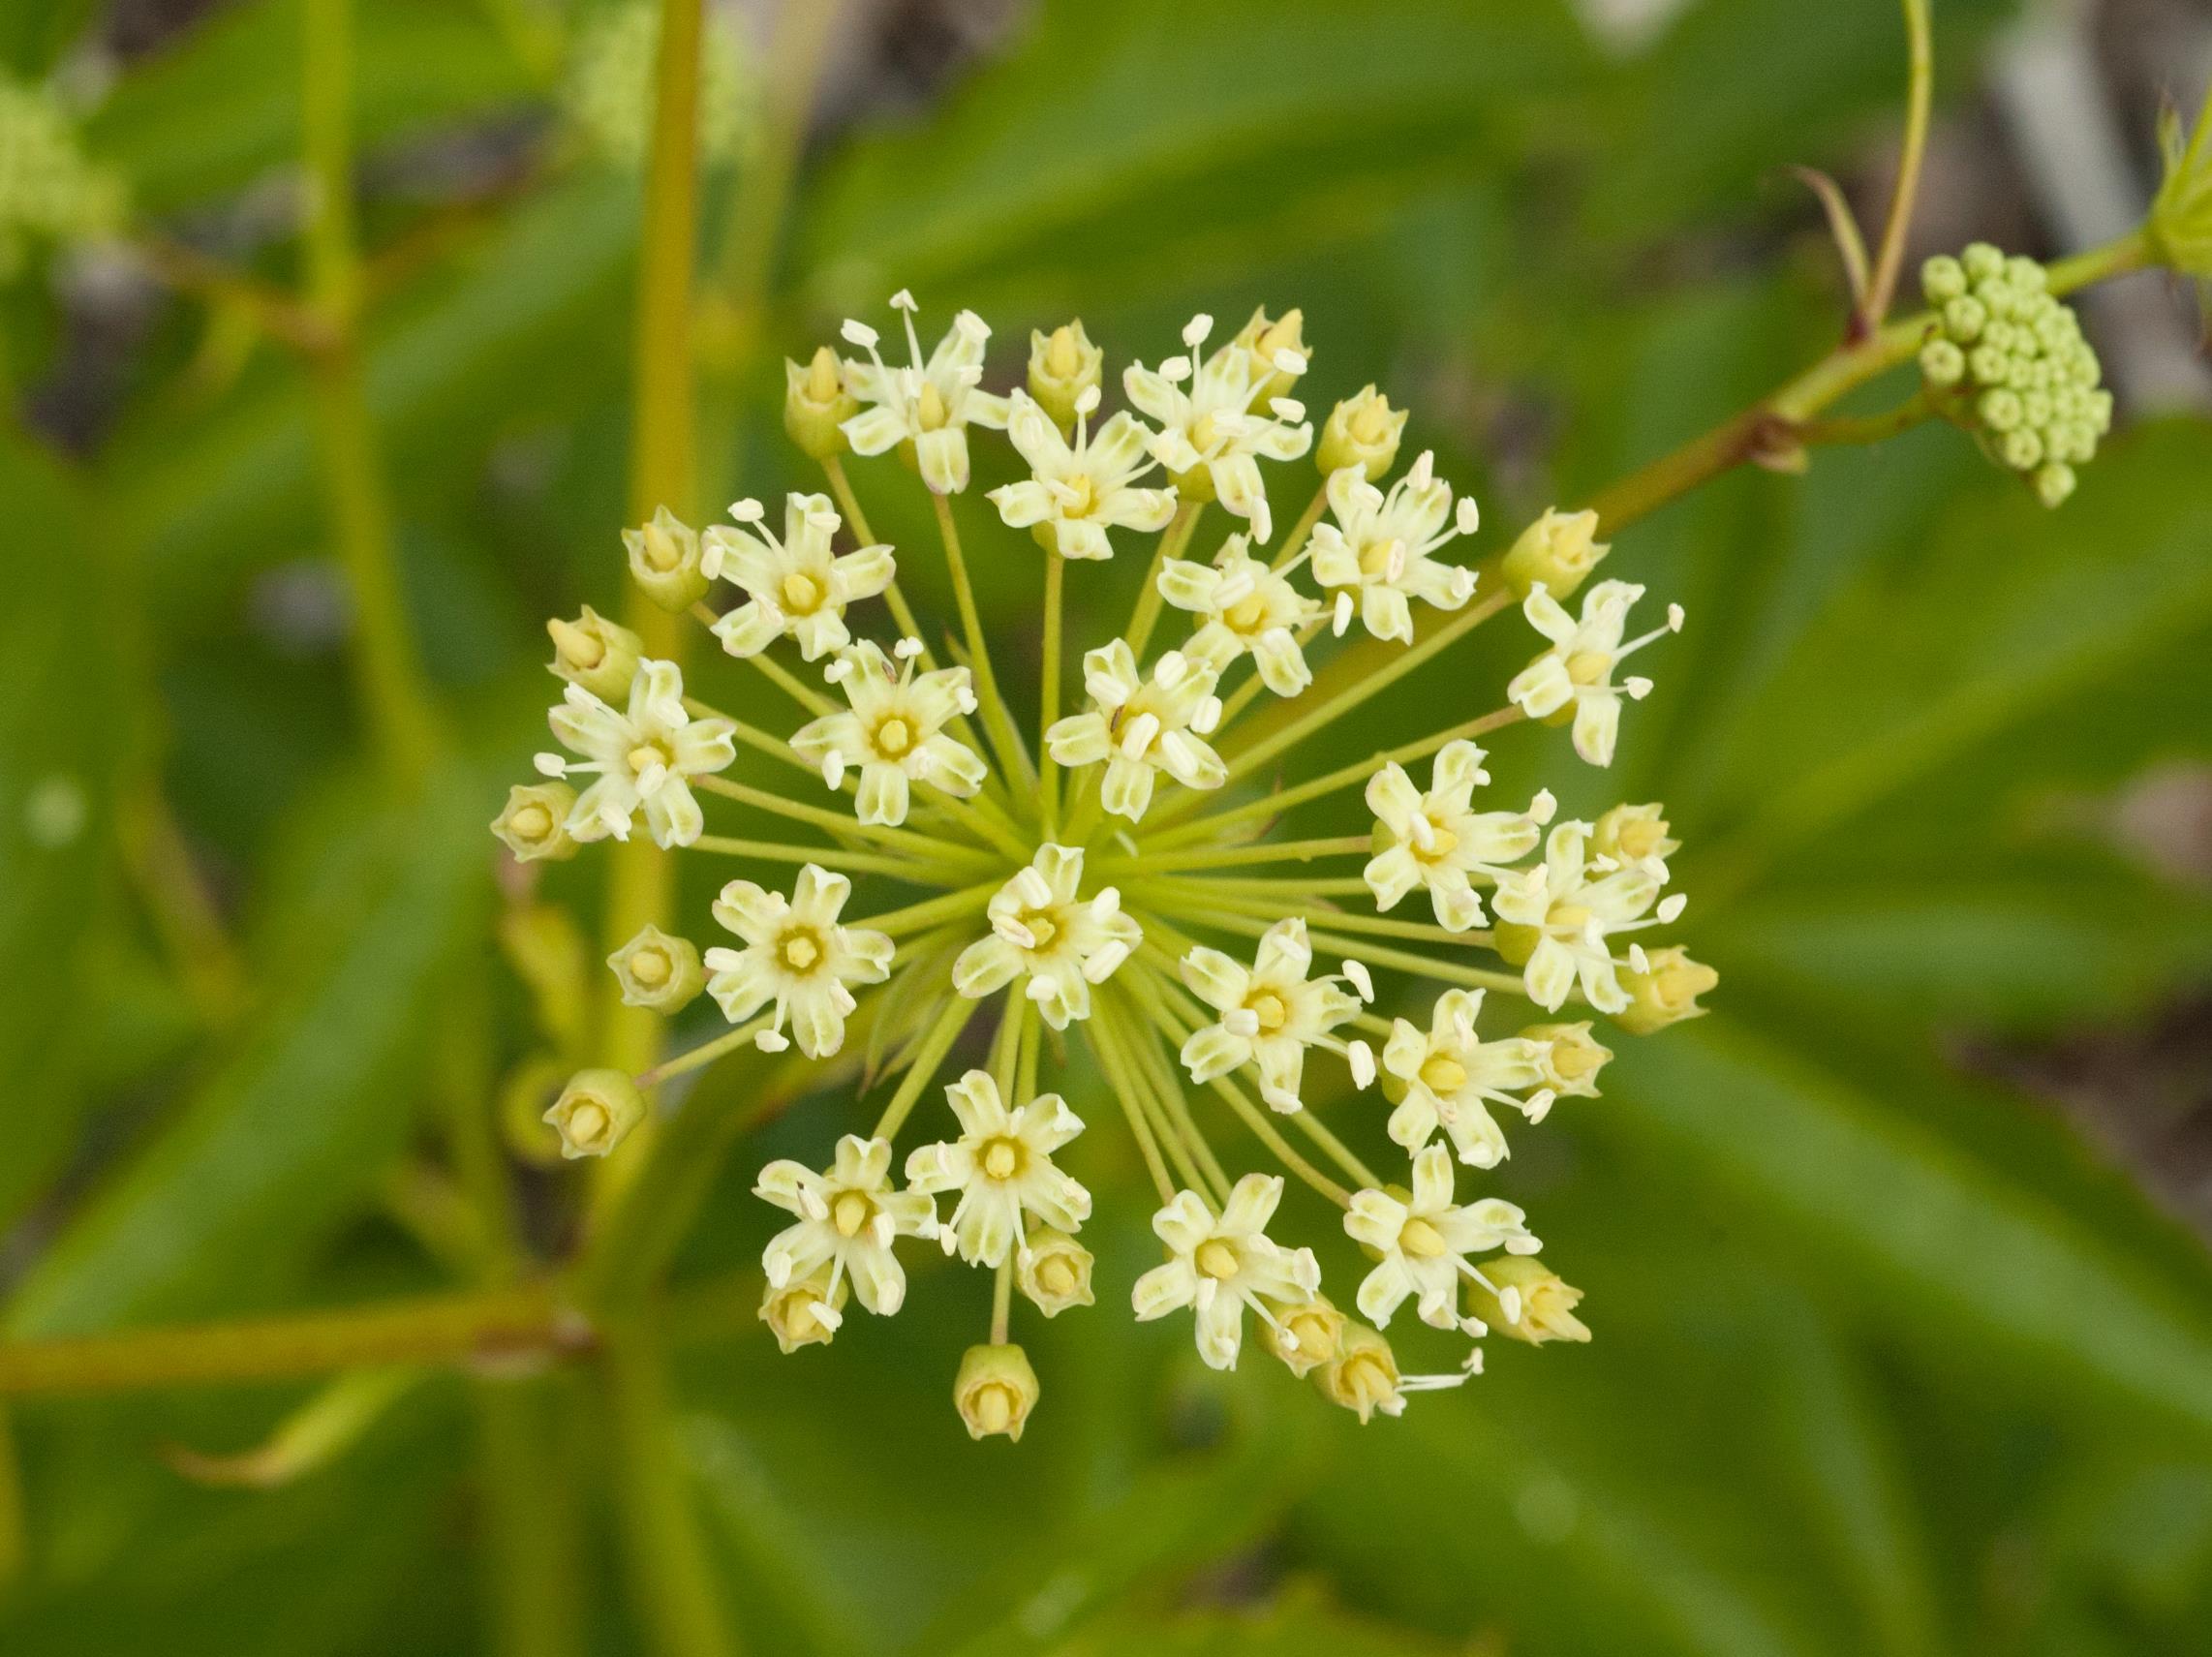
(1886, 1361)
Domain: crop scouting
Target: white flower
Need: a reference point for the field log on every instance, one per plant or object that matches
(797, 586)
(1271, 1013)
(1571, 914)
(1221, 1266)
(1436, 841)
(1424, 1243)
(796, 956)
(1003, 1168)
(1381, 547)
(1577, 668)
(1077, 494)
(642, 757)
(1244, 608)
(1039, 927)
(894, 731)
(1212, 439)
(1140, 727)
(848, 1220)
(1451, 1075)
(929, 404)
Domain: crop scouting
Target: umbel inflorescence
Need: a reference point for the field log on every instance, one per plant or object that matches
(1131, 889)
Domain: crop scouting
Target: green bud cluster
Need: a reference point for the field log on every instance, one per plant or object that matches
(607, 96)
(50, 191)
(2007, 361)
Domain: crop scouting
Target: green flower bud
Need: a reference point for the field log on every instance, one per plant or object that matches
(664, 560)
(1054, 1272)
(599, 654)
(1666, 993)
(1529, 1301)
(1064, 364)
(1964, 318)
(1304, 1337)
(816, 405)
(2181, 225)
(2053, 483)
(1943, 364)
(658, 971)
(1942, 279)
(995, 1391)
(807, 1311)
(1987, 364)
(2022, 449)
(1982, 261)
(534, 826)
(1559, 550)
(1999, 409)
(1361, 431)
(523, 1096)
(1268, 340)
(1363, 1376)
(596, 1112)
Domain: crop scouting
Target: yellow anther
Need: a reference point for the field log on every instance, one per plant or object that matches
(1217, 1259)
(1002, 1158)
(1444, 1074)
(893, 737)
(1421, 1239)
(851, 1213)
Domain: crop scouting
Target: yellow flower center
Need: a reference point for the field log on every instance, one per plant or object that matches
(1421, 1239)
(799, 1320)
(929, 408)
(1568, 917)
(1444, 1074)
(580, 649)
(801, 593)
(1062, 357)
(647, 754)
(531, 822)
(1081, 496)
(892, 738)
(821, 376)
(1442, 842)
(1267, 1007)
(1641, 837)
(1573, 1058)
(660, 549)
(649, 966)
(1217, 1259)
(1376, 556)
(1587, 666)
(588, 1123)
(1056, 1275)
(1315, 1332)
(1366, 1380)
(1370, 422)
(851, 1213)
(801, 950)
(993, 1405)
(1202, 433)
(1248, 614)
(1042, 927)
(1002, 1160)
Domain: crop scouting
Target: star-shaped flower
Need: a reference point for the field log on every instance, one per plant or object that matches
(847, 1219)
(1422, 1243)
(1450, 1076)
(928, 406)
(797, 956)
(1555, 917)
(1212, 438)
(1140, 726)
(1220, 1266)
(1076, 493)
(1432, 840)
(1039, 927)
(796, 586)
(1576, 671)
(643, 757)
(1271, 1013)
(894, 731)
(1244, 608)
(1382, 548)
(1003, 1168)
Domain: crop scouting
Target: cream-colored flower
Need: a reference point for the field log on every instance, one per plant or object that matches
(1424, 1242)
(797, 586)
(1271, 1013)
(1244, 608)
(1305, 1336)
(1576, 671)
(1220, 1266)
(1212, 438)
(1569, 1059)
(894, 732)
(1003, 1168)
(797, 956)
(807, 1312)
(1556, 916)
(534, 824)
(1363, 1376)
(590, 651)
(1040, 928)
(1452, 1077)
(1076, 493)
(1054, 1271)
(1361, 431)
(927, 406)
(1379, 555)
(1142, 727)
(1636, 837)
(847, 1219)
(1432, 840)
(642, 756)
(1526, 1300)
(1064, 365)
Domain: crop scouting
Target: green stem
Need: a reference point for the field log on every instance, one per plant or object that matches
(1004, 738)
(1048, 696)
(662, 1530)
(1149, 599)
(926, 1058)
(835, 858)
(843, 822)
(1239, 856)
(1889, 262)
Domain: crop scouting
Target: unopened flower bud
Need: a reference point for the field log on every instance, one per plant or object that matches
(596, 1112)
(665, 560)
(1635, 835)
(995, 1391)
(656, 970)
(1665, 994)
(2181, 217)
(599, 654)
(523, 1096)
(816, 404)
(1064, 365)
(2053, 482)
(1268, 342)
(1305, 1336)
(1571, 1060)
(534, 826)
(1941, 278)
(1361, 431)
(1363, 1376)
(1054, 1272)
(806, 1312)
(1530, 1303)
(1559, 549)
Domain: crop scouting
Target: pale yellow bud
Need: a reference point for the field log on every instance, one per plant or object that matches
(1363, 1376)
(596, 1112)
(1530, 1304)
(1559, 549)
(806, 1312)
(1361, 431)
(1266, 339)
(1667, 994)
(534, 826)
(1572, 1060)
(1304, 1337)
(1634, 834)
(656, 970)
(664, 560)
(995, 1391)
(599, 654)
(1056, 1273)
(1064, 364)
(816, 404)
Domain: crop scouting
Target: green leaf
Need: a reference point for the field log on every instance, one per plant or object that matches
(274, 1149)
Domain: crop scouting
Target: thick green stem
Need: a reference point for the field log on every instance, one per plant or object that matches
(663, 1533)
(1882, 286)
(1048, 696)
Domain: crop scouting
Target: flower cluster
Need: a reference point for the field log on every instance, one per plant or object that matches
(50, 191)
(607, 96)
(1130, 887)
(2009, 362)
